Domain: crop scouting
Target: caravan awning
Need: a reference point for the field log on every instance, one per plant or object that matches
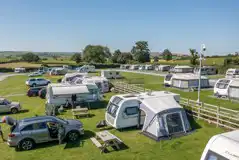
(69, 90)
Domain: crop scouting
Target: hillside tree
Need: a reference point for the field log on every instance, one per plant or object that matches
(96, 53)
(30, 57)
(167, 55)
(194, 56)
(156, 59)
(76, 57)
(141, 52)
(124, 58)
(115, 56)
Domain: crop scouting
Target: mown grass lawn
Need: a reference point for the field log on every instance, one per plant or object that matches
(156, 83)
(139, 146)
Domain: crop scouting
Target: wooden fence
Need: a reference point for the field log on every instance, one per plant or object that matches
(222, 117)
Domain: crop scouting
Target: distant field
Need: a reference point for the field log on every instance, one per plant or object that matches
(63, 60)
(19, 64)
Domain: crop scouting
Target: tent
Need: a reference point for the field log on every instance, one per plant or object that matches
(164, 117)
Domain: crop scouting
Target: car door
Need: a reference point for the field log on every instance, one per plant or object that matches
(40, 132)
(2, 106)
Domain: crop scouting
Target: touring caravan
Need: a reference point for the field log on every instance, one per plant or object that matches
(134, 67)
(222, 147)
(110, 74)
(149, 67)
(142, 67)
(162, 68)
(70, 76)
(232, 73)
(159, 112)
(182, 69)
(86, 69)
(58, 71)
(19, 70)
(222, 86)
(58, 94)
(233, 90)
(101, 82)
(206, 70)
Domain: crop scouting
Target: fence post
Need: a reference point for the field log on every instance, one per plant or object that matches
(199, 109)
(218, 112)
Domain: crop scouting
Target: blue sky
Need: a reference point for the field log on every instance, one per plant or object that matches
(61, 25)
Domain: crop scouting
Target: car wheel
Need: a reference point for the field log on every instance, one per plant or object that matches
(14, 110)
(73, 136)
(26, 144)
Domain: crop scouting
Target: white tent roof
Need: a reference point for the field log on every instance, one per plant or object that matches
(182, 67)
(74, 74)
(188, 76)
(73, 89)
(159, 104)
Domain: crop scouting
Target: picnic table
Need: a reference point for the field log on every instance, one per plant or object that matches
(80, 112)
(107, 140)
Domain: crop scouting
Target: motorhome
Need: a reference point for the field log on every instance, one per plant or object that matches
(159, 112)
(58, 94)
(232, 73)
(58, 71)
(110, 74)
(149, 67)
(70, 76)
(182, 69)
(162, 68)
(19, 70)
(206, 70)
(233, 90)
(222, 86)
(222, 147)
(134, 67)
(86, 68)
(185, 81)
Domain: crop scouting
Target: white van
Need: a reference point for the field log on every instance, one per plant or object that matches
(19, 70)
(221, 87)
(232, 73)
(110, 74)
(58, 71)
(222, 147)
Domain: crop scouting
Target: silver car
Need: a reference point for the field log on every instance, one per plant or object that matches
(8, 106)
(27, 132)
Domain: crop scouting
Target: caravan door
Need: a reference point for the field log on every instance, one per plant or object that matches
(174, 123)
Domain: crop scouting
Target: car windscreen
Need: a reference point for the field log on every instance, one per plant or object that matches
(214, 156)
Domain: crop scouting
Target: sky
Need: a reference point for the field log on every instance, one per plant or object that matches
(70, 25)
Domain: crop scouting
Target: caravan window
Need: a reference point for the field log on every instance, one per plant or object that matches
(131, 111)
(117, 100)
(214, 156)
(168, 77)
(112, 109)
(174, 123)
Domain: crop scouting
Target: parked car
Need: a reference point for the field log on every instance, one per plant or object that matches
(35, 74)
(42, 93)
(28, 132)
(8, 106)
(33, 82)
(33, 91)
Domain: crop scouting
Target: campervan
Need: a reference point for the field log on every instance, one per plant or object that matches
(70, 76)
(206, 70)
(185, 81)
(110, 74)
(149, 67)
(232, 73)
(182, 69)
(86, 68)
(58, 71)
(58, 94)
(162, 68)
(222, 147)
(159, 112)
(19, 70)
(221, 87)
(134, 67)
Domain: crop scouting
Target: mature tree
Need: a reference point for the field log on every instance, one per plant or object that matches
(96, 53)
(167, 55)
(30, 57)
(115, 56)
(141, 52)
(124, 58)
(194, 56)
(156, 59)
(76, 57)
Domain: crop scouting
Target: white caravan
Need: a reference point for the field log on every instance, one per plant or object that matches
(134, 67)
(163, 68)
(221, 87)
(222, 147)
(58, 94)
(70, 76)
(206, 70)
(233, 91)
(19, 70)
(149, 67)
(142, 67)
(159, 112)
(101, 82)
(110, 74)
(58, 71)
(182, 69)
(86, 68)
(232, 73)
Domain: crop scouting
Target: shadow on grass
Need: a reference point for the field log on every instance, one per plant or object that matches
(194, 125)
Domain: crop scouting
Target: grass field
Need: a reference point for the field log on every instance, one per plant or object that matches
(139, 146)
(156, 83)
